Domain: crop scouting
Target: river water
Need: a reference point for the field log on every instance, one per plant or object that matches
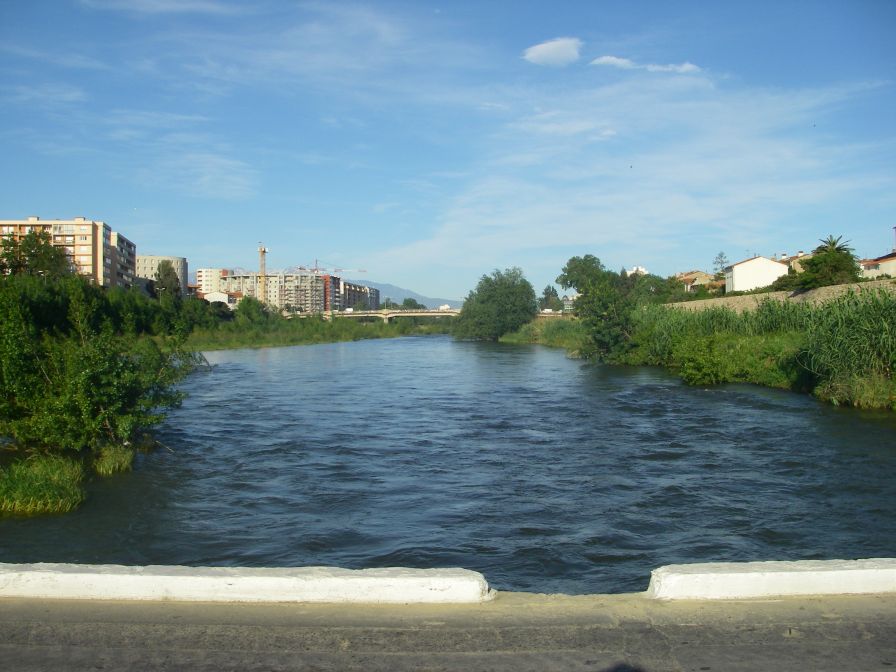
(546, 474)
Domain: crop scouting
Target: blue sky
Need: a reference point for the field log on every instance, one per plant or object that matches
(431, 143)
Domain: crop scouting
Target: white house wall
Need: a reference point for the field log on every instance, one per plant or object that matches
(754, 273)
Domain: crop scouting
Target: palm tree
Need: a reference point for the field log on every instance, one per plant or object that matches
(831, 244)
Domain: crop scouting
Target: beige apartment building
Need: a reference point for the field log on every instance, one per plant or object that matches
(91, 246)
(148, 264)
(296, 292)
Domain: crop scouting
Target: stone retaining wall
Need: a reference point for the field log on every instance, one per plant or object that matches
(748, 302)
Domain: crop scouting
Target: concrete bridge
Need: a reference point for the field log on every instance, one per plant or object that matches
(386, 315)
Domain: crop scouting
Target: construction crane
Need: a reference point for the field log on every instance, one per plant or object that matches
(317, 269)
(262, 273)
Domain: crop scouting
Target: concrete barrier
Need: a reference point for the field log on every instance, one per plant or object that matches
(736, 580)
(243, 584)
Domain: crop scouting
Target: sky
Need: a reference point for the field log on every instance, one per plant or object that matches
(430, 143)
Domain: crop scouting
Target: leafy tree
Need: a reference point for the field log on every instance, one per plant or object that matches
(502, 302)
(606, 302)
(165, 280)
(550, 299)
(720, 263)
(251, 311)
(34, 254)
(581, 272)
(829, 268)
(604, 305)
(411, 304)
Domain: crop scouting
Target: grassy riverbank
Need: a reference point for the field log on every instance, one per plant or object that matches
(310, 330)
(843, 351)
(569, 334)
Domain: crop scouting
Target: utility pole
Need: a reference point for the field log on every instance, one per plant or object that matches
(262, 273)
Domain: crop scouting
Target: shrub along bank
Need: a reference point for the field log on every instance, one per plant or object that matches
(843, 350)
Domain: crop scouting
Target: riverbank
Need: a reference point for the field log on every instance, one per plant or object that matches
(839, 346)
(310, 331)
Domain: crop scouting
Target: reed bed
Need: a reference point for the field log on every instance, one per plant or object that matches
(41, 484)
(113, 459)
(844, 350)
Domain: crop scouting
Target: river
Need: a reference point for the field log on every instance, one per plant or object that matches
(545, 473)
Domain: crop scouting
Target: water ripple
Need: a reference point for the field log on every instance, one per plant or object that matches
(544, 473)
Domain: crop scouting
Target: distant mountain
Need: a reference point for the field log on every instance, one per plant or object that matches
(399, 294)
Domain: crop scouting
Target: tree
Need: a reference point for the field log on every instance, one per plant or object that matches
(34, 254)
(166, 281)
(720, 263)
(550, 299)
(581, 272)
(411, 304)
(502, 302)
(831, 244)
(251, 311)
(832, 263)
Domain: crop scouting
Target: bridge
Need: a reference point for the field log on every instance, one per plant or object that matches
(386, 315)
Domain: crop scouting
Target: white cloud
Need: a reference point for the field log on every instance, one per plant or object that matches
(615, 61)
(683, 68)
(628, 64)
(556, 52)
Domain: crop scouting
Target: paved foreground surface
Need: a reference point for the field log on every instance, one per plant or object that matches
(515, 632)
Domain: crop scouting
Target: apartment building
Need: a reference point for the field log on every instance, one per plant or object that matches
(148, 265)
(359, 296)
(208, 280)
(91, 246)
(297, 292)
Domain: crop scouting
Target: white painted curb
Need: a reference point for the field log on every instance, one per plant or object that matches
(396, 585)
(735, 580)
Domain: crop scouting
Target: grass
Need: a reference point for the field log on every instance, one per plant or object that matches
(113, 459)
(556, 333)
(41, 484)
(844, 351)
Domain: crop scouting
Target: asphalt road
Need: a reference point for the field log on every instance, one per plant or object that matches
(516, 632)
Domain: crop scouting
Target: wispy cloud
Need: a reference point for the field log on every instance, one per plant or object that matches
(679, 159)
(628, 64)
(557, 52)
(203, 174)
(69, 59)
(165, 6)
(48, 94)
